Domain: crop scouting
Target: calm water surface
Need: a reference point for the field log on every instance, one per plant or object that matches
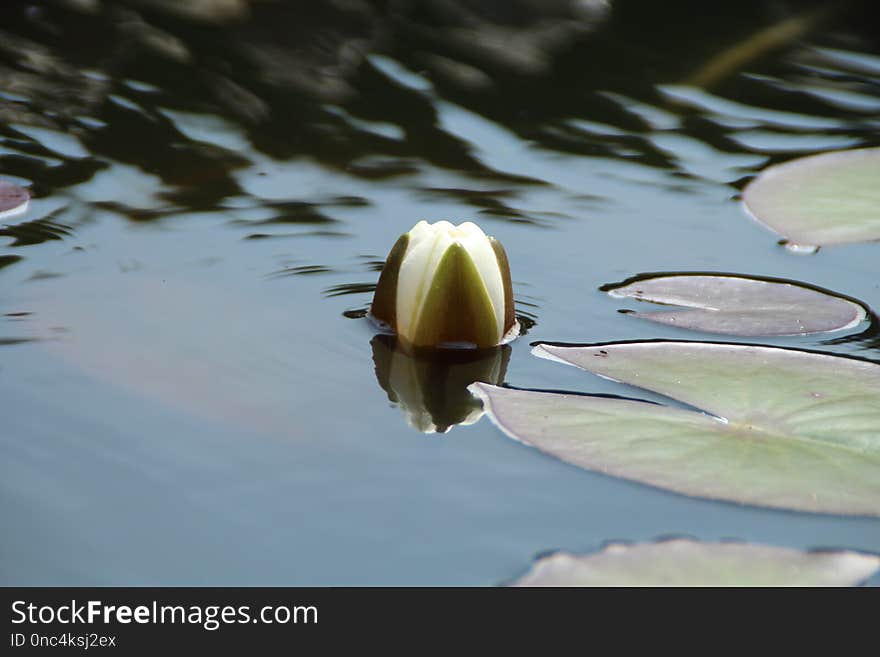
(183, 398)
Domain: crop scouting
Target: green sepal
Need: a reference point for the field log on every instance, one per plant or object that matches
(504, 268)
(457, 307)
(384, 306)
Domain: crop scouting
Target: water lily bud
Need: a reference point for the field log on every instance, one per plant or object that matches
(447, 285)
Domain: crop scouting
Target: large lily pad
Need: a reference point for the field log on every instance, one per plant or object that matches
(781, 428)
(832, 198)
(13, 199)
(683, 562)
(738, 305)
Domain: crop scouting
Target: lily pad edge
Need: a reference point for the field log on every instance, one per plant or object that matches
(868, 558)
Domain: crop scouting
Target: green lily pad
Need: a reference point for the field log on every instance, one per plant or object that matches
(739, 305)
(832, 198)
(683, 562)
(781, 428)
(13, 199)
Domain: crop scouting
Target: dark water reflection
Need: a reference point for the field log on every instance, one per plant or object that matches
(212, 190)
(35, 232)
(430, 386)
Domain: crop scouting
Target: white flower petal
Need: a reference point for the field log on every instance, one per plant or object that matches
(480, 249)
(416, 273)
(420, 232)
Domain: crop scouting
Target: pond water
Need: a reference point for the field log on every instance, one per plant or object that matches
(188, 394)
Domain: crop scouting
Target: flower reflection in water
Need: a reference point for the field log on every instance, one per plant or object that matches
(430, 385)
